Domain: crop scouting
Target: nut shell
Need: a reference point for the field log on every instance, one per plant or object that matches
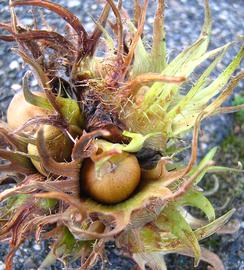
(114, 181)
(58, 146)
(20, 111)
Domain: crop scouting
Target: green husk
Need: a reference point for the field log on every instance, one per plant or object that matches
(136, 104)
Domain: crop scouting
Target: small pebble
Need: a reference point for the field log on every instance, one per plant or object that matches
(89, 26)
(21, 260)
(16, 87)
(37, 247)
(34, 82)
(27, 21)
(150, 20)
(14, 65)
(73, 3)
(94, 7)
(2, 266)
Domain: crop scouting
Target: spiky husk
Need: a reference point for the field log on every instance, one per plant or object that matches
(132, 98)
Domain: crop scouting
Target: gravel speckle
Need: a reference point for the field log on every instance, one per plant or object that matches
(2, 265)
(14, 65)
(16, 87)
(73, 3)
(37, 247)
(27, 21)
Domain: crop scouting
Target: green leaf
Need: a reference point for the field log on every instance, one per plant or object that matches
(186, 118)
(171, 220)
(50, 259)
(150, 237)
(135, 145)
(71, 111)
(47, 203)
(182, 65)
(212, 227)
(141, 63)
(15, 201)
(158, 51)
(222, 169)
(211, 109)
(33, 99)
(154, 260)
(69, 107)
(66, 245)
(107, 38)
(216, 86)
(137, 141)
(186, 100)
(203, 163)
(197, 199)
